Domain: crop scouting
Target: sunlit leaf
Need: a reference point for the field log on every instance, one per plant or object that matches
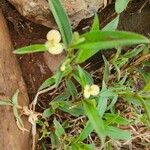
(31, 49)
(102, 40)
(48, 112)
(115, 119)
(111, 26)
(83, 77)
(121, 5)
(94, 117)
(118, 134)
(47, 83)
(95, 25)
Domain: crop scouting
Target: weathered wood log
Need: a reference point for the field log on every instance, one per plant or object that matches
(11, 138)
(38, 10)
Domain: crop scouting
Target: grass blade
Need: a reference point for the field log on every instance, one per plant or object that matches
(62, 21)
(31, 49)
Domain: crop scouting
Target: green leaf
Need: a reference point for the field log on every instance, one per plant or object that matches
(118, 134)
(15, 98)
(75, 109)
(86, 131)
(75, 146)
(147, 87)
(147, 109)
(113, 102)
(64, 96)
(112, 25)
(43, 146)
(48, 112)
(121, 5)
(71, 88)
(47, 83)
(106, 70)
(134, 52)
(31, 49)
(102, 105)
(83, 77)
(58, 77)
(5, 103)
(59, 130)
(62, 21)
(54, 140)
(93, 115)
(95, 25)
(82, 146)
(100, 40)
(115, 119)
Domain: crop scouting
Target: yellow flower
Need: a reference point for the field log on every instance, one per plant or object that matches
(54, 37)
(54, 49)
(94, 90)
(53, 42)
(87, 93)
(91, 90)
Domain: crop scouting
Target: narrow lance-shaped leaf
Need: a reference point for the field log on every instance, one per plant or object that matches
(71, 88)
(100, 40)
(118, 134)
(47, 83)
(134, 52)
(62, 20)
(94, 117)
(31, 49)
(83, 77)
(112, 25)
(59, 130)
(106, 70)
(86, 131)
(95, 25)
(121, 5)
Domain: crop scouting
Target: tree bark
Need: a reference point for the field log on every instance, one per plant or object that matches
(11, 138)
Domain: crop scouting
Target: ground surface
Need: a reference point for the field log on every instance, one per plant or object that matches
(24, 32)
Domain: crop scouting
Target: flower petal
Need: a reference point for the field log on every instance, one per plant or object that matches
(54, 36)
(87, 93)
(56, 49)
(94, 90)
